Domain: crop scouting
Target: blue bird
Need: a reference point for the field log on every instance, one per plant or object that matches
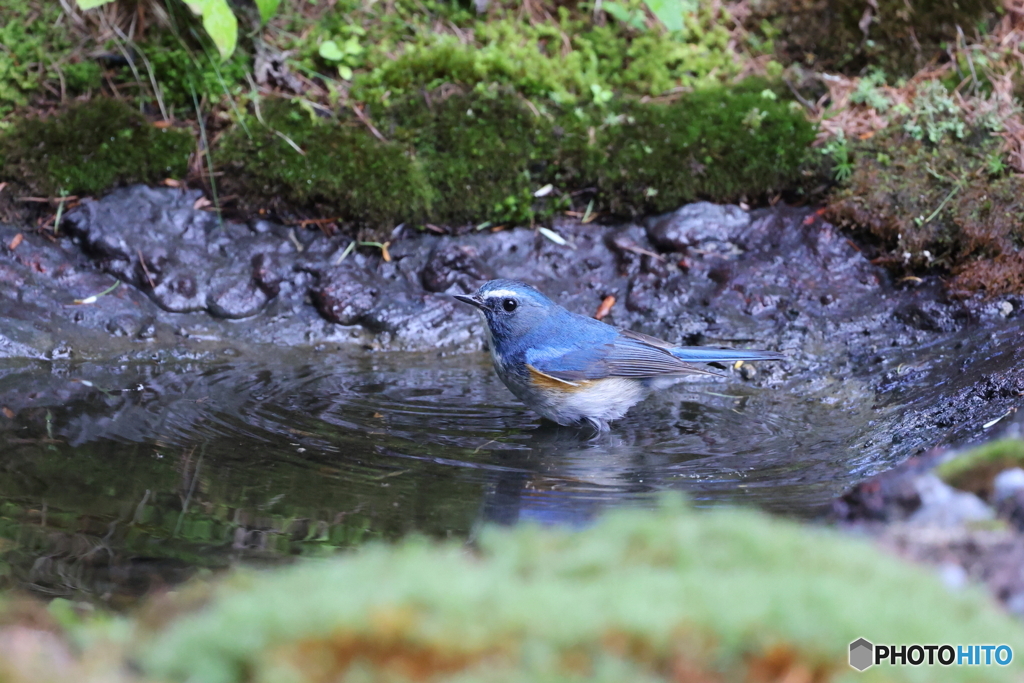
(572, 369)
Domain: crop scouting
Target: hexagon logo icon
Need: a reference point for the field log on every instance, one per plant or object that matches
(861, 654)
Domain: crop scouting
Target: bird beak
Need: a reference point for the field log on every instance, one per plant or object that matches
(471, 300)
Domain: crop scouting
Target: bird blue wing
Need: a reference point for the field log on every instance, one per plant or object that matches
(624, 353)
(704, 354)
(622, 356)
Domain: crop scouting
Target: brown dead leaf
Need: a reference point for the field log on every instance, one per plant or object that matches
(202, 203)
(15, 241)
(171, 182)
(162, 124)
(605, 308)
(8, 413)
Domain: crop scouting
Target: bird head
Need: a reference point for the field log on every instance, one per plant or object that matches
(511, 308)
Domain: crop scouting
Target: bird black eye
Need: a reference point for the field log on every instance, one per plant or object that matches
(509, 305)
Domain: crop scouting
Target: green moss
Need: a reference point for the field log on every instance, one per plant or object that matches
(468, 158)
(552, 95)
(31, 45)
(91, 147)
(342, 170)
(483, 154)
(180, 69)
(718, 143)
(671, 595)
(564, 56)
(899, 36)
(934, 205)
(82, 77)
(976, 469)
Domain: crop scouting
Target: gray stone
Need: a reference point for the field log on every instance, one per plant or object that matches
(699, 224)
(945, 507)
(1007, 484)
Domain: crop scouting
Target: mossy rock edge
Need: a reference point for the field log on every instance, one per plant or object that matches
(976, 469)
(481, 156)
(91, 147)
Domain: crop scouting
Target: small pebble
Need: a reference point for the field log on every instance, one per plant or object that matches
(1007, 483)
(1015, 605)
(943, 506)
(952, 575)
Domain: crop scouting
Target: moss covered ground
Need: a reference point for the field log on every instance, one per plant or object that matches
(377, 115)
(938, 208)
(91, 147)
(426, 114)
(641, 596)
(901, 115)
(483, 155)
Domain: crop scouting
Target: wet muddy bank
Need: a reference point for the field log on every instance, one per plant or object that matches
(781, 278)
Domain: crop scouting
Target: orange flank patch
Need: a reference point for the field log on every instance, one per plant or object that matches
(543, 380)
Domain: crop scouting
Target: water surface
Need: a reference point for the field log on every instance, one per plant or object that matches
(118, 478)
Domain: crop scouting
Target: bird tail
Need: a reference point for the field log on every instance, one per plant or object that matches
(701, 354)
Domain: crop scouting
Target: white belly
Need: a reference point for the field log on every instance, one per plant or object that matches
(604, 399)
(597, 400)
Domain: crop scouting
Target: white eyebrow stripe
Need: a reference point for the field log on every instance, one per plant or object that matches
(500, 292)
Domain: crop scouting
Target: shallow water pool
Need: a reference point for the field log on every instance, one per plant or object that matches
(119, 478)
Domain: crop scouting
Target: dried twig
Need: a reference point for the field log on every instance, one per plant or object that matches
(366, 121)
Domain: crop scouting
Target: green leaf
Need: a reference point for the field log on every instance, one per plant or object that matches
(345, 72)
(90, 4)
(330, 51)
(670, 12)
(268, 8)
(220, 22)
(352, 46)
(623, 15)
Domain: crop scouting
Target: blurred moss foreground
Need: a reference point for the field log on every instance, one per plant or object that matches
(670, 595)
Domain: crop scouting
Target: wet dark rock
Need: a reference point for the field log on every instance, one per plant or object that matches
(267, 272)
(179, 289)
(914, 510)
(234, 297)
(347, 293)
(888, 497)
(1010, 505)
(13, 349)
(124, 326)
(389, 306)
(181, 256)
(455, 265)
(1007, 484)
(702, 224)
